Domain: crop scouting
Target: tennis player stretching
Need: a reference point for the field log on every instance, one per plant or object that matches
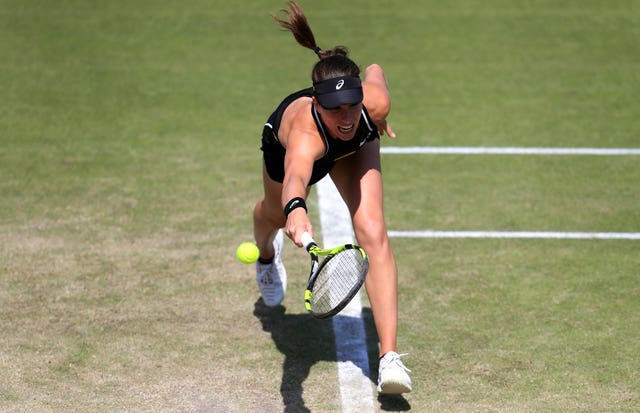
(331, 128)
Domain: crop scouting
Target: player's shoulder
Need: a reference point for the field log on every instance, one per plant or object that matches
(297, 120)
(299, 108)
(298, 115)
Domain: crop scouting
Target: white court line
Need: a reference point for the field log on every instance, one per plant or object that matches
(516, 234)
(466, 150)
(348, 327)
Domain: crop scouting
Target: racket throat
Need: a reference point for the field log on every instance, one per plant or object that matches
(308, 298)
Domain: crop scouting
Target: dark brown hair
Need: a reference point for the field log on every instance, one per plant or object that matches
(333, 63)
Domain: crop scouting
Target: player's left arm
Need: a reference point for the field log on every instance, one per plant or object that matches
(377, 99)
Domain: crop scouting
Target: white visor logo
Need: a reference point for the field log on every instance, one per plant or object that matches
(340, 84)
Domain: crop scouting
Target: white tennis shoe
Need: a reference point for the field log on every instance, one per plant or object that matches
(272, 278)
(393, 377)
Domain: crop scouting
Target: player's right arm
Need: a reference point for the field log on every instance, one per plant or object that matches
(303, 147)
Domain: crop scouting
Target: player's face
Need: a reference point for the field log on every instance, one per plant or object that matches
(342, 121)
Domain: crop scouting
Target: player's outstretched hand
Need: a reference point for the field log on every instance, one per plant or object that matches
(384, 127)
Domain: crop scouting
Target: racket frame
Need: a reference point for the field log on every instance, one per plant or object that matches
(316, 266)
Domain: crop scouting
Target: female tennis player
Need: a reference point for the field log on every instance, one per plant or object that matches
(331, 128)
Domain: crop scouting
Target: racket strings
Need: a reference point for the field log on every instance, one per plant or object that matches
(337, 278)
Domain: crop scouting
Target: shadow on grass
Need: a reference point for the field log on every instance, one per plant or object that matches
(305, 341)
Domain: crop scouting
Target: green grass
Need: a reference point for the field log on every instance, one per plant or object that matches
(520, 193)
(524, 325)
(130, 165)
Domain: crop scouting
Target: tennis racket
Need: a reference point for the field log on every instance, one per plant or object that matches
(334, 281)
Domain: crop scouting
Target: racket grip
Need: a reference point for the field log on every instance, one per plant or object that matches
(307, 241)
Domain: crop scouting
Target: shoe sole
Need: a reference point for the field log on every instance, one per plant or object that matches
(394, 388)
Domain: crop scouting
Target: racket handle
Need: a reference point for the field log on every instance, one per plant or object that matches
(307, 241)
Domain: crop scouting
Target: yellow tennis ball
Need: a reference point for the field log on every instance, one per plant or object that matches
(248, 252)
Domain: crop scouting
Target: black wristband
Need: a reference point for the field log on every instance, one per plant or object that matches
(294, 203)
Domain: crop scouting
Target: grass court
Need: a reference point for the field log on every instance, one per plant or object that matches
(130, 166)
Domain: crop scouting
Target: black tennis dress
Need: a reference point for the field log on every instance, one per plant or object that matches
(335, 149)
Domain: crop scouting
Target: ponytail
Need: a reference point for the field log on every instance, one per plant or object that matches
(333, 63)
(297, 24)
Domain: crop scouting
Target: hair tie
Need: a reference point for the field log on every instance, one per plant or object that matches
(318, 51)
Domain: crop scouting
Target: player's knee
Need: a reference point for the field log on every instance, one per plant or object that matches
(372, 237)
(270, 215)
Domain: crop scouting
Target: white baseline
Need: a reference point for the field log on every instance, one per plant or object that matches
(467, 150)
(516, 234)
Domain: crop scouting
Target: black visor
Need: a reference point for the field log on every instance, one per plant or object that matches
(333, 93)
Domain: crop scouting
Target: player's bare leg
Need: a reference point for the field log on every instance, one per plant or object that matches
(359, 181)
(268, 218)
